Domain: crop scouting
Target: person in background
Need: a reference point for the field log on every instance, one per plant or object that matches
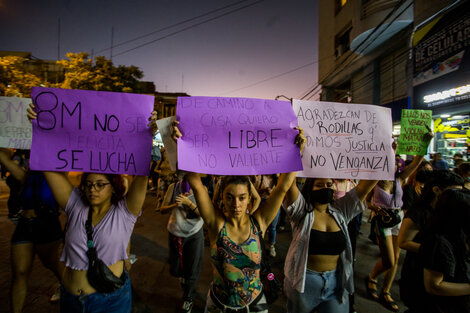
(38, 229)
(264, 185)
(438, 163)
(415, 183)
(388, 194)
(186, 238)
(464, 171)
(444, 254)
(156, 157)
(166, 177)
(457, 159)
(410, 236)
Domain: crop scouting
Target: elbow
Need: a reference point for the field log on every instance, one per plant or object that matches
(432, 288)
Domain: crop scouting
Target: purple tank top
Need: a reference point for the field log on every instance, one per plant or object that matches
(111, 235)
(387, 200)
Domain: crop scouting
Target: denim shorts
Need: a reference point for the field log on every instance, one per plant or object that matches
(37, 230)
(119, 301)
(322, 293)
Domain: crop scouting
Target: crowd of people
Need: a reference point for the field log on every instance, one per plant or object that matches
(424, 210)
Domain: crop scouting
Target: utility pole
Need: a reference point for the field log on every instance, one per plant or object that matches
(58, 39)
(112, 42)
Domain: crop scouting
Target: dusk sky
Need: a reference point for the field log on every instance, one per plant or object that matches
(238, 54)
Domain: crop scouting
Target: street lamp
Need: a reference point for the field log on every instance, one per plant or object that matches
(282, 96)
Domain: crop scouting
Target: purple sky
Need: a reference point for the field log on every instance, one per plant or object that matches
(219, 58)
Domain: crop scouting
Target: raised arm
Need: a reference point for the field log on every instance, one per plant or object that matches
(255, 198)
(211, 217)
(136, 194)
(364, 187)
(61, 187)
(15, 170)
(413, 166)
(268, 211)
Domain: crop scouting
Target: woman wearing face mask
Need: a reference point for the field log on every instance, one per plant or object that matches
(410, 237)
(186, 238)
(318, 268)
(388, 194)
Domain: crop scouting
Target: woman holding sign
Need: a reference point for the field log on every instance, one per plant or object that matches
(100, 221)
(318, 268)
(387, 196)
(235, 238)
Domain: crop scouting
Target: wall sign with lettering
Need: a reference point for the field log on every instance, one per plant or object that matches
(346, 140)
(91, 131)
(237, 136)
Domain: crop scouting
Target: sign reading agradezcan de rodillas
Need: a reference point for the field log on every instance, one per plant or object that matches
(441, 60)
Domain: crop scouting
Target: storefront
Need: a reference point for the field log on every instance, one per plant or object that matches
(441, 80)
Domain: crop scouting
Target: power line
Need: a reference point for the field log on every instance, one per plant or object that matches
(363, 42)
(171, 26)
(189, 27)
(270, 78)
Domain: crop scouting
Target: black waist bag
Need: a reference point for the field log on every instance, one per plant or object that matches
(99, 275)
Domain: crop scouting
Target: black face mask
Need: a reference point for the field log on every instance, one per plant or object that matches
(322, 196)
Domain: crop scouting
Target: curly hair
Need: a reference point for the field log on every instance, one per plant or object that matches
(117, 184)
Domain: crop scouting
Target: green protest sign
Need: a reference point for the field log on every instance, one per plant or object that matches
(413, 128)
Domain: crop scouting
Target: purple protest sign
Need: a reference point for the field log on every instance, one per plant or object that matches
(91, 131)
(237, 136)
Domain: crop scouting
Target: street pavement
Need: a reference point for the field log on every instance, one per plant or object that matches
(154, 289)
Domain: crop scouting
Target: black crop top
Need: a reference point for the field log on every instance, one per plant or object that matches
(327, 243)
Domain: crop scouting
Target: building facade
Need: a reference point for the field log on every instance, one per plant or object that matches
(367, 53)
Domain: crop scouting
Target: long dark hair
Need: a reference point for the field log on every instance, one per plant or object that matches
(450, 218)
(116, 181)
(440, 179)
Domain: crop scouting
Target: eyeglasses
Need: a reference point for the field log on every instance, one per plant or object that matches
(98, 186)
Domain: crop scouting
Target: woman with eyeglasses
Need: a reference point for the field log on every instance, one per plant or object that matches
(38, 230)
(99, 198)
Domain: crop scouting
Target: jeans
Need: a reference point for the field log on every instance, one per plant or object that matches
(321, 294)
(119, 301)
(272, 229)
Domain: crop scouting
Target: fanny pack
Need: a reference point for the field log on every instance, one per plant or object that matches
(388, 217)
(99, 275)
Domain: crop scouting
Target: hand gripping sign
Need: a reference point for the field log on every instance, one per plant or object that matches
(237, 136)
(346, 140)
(91, 131)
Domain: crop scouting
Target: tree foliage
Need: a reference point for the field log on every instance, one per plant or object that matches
(81, 73)
(18, 75)
(15, 78)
